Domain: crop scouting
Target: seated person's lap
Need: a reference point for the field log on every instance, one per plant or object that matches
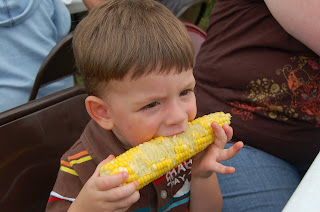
(261, 182)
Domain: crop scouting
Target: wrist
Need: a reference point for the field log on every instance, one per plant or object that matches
(201, 175)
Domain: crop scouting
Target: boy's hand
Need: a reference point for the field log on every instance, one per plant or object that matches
(207, 161)
(103, 193)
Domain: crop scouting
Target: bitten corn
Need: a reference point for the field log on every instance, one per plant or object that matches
(150, 160)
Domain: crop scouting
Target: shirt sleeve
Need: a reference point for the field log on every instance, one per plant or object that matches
(76, 167)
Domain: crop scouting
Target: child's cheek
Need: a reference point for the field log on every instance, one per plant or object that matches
(192, 111)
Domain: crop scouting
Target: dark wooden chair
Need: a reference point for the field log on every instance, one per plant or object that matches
(58, 64)
(33, 138)
(197, 35)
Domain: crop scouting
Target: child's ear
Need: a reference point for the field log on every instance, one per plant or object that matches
(98, 111)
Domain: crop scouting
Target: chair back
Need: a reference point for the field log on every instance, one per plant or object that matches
(58, 64)
(197, 35)
(34, 136)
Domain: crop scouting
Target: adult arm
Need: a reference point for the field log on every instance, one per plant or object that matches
(91, 3)
(300, 19)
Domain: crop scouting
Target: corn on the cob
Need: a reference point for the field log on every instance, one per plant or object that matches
(150, 160)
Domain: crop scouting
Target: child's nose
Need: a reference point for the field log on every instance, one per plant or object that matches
(175, 115)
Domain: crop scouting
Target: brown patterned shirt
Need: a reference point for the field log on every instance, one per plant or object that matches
(170, 192)
(270, 82)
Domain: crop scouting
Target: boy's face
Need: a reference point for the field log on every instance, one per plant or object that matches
(151, 106)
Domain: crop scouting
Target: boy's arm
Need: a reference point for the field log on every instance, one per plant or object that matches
(205, 192)
(67, 186)
(105, 194)
(73, 190)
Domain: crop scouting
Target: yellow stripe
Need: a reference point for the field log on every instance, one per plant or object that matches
(81, 160)
(70, 171)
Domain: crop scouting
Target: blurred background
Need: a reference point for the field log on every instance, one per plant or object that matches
(204, 21)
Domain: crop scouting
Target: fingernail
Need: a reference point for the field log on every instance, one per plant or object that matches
(136, 184)
(125, 174)
(215, 123)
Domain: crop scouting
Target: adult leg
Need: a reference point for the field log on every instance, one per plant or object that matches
(262, 182)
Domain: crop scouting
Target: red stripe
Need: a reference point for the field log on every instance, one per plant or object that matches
(52, 199)
(158, 181)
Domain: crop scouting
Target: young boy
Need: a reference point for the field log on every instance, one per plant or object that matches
(136, 59)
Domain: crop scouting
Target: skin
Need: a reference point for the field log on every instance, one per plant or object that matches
(300, 19)
(139, 110)
(151, 106)
(104, 193)
(91, 3)
(205, 192)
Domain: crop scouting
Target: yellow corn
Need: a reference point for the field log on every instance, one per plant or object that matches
(150, 160)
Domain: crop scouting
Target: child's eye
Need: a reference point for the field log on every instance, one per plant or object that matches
(149, 106)
(185, 92)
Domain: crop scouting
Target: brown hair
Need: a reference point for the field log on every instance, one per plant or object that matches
(136, 36)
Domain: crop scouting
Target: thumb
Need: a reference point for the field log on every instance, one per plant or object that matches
(97, 171)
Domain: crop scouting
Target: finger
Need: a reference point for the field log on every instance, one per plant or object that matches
(226, 154)
(229, 131)
(238, 145)
(124, 204)
(122, 192)
(220, 135)
(104, 183)
(222, 169)
(97, 171)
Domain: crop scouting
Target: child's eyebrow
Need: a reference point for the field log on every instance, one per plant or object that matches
(147, 100)
(188, 84)
(191, 83)
(157, 97)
